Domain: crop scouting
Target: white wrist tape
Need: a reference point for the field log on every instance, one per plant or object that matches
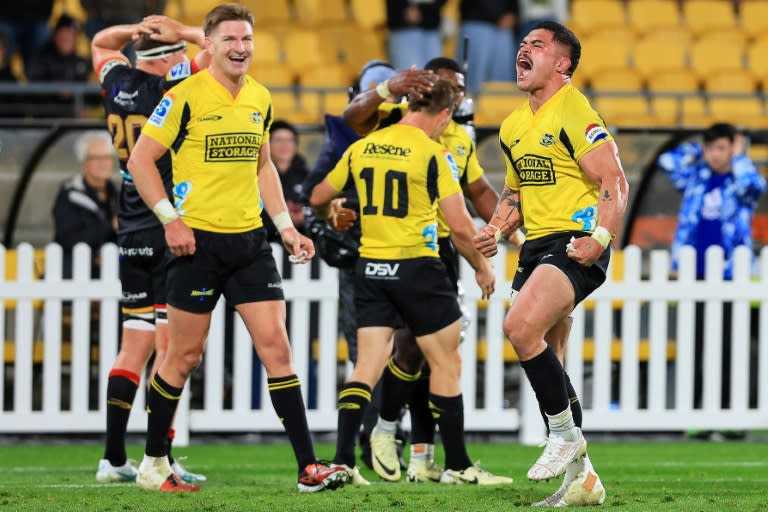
(383, 89)
(497, 234)
(603, 236)
(164, 211)
(282, 221)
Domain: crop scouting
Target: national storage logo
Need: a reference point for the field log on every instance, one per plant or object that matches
(535, 170)
(232, 147)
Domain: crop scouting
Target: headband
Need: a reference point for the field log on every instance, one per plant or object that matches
(160, 51)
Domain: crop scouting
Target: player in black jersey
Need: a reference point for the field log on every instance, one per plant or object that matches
(130, 95)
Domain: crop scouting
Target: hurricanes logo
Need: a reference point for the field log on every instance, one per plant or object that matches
(232, 147)
(535, 170)
(547, 140)
(256, 117)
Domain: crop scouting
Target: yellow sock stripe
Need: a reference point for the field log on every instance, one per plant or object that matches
(274, 386)
(400, 374)
(574, 399)
(162, 392)
(348, 405)
(122, 404)
(355, 392)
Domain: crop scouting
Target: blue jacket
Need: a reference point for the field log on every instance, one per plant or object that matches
(689, 173)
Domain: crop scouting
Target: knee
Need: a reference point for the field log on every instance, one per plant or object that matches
(515, 330)
(408, 357)
(188, 360)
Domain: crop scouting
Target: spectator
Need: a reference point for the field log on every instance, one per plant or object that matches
(292, 169)
(106, 13)
(6, 73)
(536, 11)
(489, 25)
(720, 187)
(86, 205)
(26, 25)
(414, 31)
(58, 59)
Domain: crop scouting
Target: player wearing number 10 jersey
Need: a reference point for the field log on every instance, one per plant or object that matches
(130, 95)
(402, 175)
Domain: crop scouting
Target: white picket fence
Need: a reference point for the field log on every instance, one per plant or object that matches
(643, 300)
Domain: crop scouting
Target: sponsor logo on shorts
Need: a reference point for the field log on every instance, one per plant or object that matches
(535, 170)
(202, 294)
(137, 251)
(278, 284)
(594, 132)
(382, 270)
(161, 111)
(232, 147)
(372, 148)
(134, 297)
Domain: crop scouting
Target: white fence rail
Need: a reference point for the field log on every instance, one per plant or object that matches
(643, 382)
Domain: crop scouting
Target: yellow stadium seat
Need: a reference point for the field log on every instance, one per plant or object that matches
(754, 17)
(736, 110)
(592, 15)
(352, 45)
(267, 15)
(626, 80)
(624, 111)
(742, 81)
(673, 81)
(666, 110)
(695, 112)
(703, 16)
(266, 48)
(317, 13)
(272, 75)
(369, 14)
(620, 35)
(599, 55)
(318, 103)
(303, 49)
(671, 35)
(710, 56)
(192, 12)
(329, 75)
(757, 59)
(647, 16)
(653, 56)
(492, 109)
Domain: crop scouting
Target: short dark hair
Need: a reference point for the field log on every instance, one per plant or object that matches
(442, 63)
(564, 36)
(279, 124)
(719, 131)
(441, 97)
(226, 12)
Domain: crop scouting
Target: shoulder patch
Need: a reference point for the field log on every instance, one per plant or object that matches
(109, 66)
(452, 164)
(594, 132)
(179, 71)
(161, 111)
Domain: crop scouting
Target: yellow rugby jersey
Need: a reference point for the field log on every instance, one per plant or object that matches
(542, 153)
(400, 175)
(456, 139)
(215, 142)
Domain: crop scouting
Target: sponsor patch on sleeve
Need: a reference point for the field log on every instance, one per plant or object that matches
(594, 132)
(452, 164)
(161, 111)
(179, 71)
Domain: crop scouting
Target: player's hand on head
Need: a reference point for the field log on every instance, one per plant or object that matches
(180, 238)
(412, 82)
(485, 241)
(163, 28)
(340, 218)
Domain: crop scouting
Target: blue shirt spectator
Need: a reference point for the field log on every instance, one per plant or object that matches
(720, 189)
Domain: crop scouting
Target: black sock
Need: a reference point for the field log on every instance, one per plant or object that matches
(354, 397)
(422, 422)
(121, 391)
(396, 388)
(573, 398)
(547, 378)
(169, 447)
(449, 413)
(285, 393)
(162, 401)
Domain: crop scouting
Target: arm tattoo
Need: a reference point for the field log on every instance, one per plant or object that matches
(512, 200)
(606, 196)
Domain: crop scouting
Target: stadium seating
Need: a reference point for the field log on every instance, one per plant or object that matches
(754, 18)
(369, 15)
(588, 16)
(647, 16)
(704, 16)
(625, 80)
(266, 48)
(272, 75)
(757, 60)
(654, 56)
(601, 54)
(735, 81)
(317, 13)
(268, 15)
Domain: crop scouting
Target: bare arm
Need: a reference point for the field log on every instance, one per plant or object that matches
(506, 219)
(462, 234)
(106, 44)
(603, 167)
(274, 203)
(361, 114)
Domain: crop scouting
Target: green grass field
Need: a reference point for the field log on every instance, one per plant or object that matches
(639, 476)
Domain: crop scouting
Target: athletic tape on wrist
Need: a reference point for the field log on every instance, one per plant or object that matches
(603, 236)
(282, 221)
(383, 89)
(164, 211)
(497, 234)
